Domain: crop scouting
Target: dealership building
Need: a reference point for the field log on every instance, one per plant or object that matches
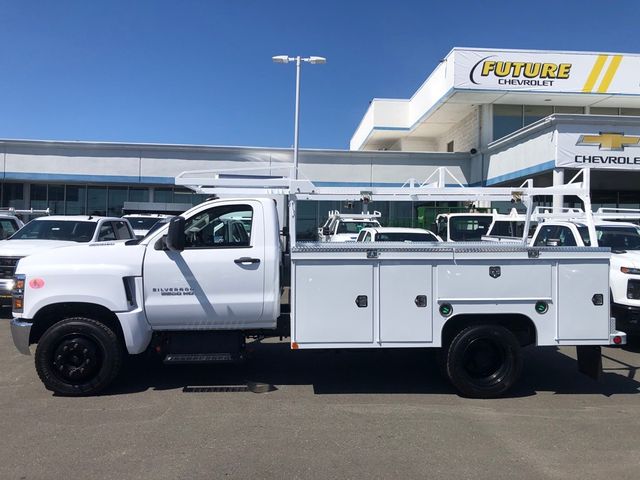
(492, 117)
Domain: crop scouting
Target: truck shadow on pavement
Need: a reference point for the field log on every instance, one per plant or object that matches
(404, 371)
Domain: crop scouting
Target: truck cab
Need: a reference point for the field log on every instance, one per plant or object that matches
(624, 240)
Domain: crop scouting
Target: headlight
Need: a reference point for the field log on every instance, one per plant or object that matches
(630, 271)
(17, 293)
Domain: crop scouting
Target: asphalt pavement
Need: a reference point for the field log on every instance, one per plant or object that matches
(374, 414)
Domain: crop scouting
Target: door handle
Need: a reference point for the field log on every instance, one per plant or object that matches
(246, 260)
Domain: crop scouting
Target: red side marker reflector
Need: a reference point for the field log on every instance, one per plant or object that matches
(294, 346)
(36, 283)
(617, 340)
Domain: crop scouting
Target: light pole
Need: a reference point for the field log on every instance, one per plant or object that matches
(298, 60)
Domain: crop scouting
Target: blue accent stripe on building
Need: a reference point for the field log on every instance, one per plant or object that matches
(100, 179)
(72, 177)
(542, 167)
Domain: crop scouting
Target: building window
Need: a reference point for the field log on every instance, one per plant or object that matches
(533, 113)
(117, 197)
(506, 119)
(38, 196)
(163, 195)
(604, 111)
(630, 111)
(450, 146)
(138, 194)
(75, 201)
(12, 195)
(55, 199)
(574, 110)
(97, 201)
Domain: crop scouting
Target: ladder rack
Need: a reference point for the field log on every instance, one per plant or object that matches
(279, 180)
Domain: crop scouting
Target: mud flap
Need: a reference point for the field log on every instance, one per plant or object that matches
(590, 360)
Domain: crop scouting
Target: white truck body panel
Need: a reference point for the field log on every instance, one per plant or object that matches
(325, 313)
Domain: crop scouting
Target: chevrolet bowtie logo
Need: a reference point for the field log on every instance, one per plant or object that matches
(610, 141)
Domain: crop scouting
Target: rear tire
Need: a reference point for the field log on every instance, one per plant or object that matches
(78, 356)
(484, 361)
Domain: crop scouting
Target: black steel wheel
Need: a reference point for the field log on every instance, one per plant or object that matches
(78, 356)
(484, 361)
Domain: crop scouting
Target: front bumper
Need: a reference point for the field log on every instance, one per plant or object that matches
(627, 318)
(20, 332)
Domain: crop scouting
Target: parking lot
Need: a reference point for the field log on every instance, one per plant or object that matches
(383, 414)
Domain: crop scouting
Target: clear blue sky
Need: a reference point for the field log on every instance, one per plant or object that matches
(187, 71)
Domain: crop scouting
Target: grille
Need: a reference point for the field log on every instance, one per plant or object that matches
(633, 289)
(8, 267)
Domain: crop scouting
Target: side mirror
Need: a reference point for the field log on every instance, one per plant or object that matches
(175, 235)
(553, 242)
(325, 231)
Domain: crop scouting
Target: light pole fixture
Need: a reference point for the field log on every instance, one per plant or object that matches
(286, 59)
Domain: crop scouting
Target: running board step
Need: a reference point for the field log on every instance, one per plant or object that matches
(191, 358)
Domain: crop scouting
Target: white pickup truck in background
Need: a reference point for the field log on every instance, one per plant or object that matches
(345, 227)
(195, 289)
(623, 239)
(396, 234)
(45, 233)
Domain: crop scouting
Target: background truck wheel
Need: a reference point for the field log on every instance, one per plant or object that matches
(483, 361)
(78, 356)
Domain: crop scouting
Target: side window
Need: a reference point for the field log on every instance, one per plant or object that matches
(106, 232)
(227, 226)
(122, 231)
(566, 237)
(361, 236)
(7, 228)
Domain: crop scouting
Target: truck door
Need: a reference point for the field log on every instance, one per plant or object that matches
(218, 280)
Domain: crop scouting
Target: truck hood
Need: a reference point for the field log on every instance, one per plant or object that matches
(630, 258)
(95, 259)
(22, 248)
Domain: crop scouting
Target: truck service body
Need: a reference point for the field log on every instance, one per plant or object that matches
(194, 289)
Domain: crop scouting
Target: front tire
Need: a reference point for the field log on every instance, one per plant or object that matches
(484, 361)
(78, 356)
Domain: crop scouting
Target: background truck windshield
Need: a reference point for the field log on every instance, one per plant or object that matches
(465, 229)
(355, 227)
(56, 230)
(143, 223)
(405, 237)
(616, 238)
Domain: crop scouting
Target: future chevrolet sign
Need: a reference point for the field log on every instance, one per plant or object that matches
(571, 72)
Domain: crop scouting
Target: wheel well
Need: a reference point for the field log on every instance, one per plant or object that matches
(52, 314)
(520, 325)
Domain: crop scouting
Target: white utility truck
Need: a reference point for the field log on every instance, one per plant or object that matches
(345, 227)
(195, 289)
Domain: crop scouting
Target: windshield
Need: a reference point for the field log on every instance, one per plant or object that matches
(468, 228)
(406, 237)
(56, 230)
(142, 223)
(616, 238)
(355, 227)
